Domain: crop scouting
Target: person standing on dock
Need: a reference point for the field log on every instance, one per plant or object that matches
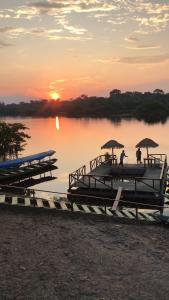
(122, 156)
(138, 156)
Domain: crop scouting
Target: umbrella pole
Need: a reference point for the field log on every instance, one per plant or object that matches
(147, 152)
(112, 152)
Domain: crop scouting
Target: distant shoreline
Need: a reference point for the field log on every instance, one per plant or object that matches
(149, 107)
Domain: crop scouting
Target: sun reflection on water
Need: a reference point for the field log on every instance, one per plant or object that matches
(57, 123)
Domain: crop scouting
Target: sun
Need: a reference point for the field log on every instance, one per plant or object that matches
(54, 95)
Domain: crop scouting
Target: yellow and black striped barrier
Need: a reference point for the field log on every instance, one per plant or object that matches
(63, 205)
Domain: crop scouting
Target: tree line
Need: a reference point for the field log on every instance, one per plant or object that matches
(151, 107)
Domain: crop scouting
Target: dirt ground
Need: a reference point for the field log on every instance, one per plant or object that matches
(57, 255)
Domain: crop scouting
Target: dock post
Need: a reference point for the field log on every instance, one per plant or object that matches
(71, 205)
(71, 201)
(136, 212)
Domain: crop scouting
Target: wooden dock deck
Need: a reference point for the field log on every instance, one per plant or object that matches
(123, 176)
(140, 183)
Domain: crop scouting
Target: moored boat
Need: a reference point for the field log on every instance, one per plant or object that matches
(26, 167)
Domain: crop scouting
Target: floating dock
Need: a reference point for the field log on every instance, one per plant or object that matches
(142, 186)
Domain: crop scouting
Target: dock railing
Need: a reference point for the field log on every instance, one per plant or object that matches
(162, 158)
(96, 162)
(90, 181)
(163, 176)
(149, 182)
(77, 176)
(106, 159)
(156, 160)
(158, 157)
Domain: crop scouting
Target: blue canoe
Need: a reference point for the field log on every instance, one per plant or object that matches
(19, 161)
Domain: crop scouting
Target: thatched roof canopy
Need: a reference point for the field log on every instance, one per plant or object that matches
(113, 145)
(147, 143)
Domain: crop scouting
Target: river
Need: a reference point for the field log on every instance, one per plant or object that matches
(77, 141)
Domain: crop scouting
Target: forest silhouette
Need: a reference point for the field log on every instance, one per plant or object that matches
(150, 107)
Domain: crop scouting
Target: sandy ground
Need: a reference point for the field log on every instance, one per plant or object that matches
(47, 255)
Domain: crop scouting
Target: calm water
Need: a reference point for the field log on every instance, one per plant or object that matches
(77, 141)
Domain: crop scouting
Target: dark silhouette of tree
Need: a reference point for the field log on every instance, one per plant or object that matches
(115, 92)
(13, 139)
(158, 91)
(147, 93)
(84, 97)
(152, 111)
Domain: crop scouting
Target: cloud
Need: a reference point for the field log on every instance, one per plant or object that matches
(6, 29)
(150, 59)
(101, 15)
(75, 34)
(60, 80)
(154, 23)
(149, 17)
(54, 84)
(143, 47)
(144, 59)
(73, 5)
(152, 8)
(75, 30)
(69, 38)
(4, 15)
(13, 32)
(107, 61)
(117, 21)
(59, 8)
(131, 39)
(42, 7)
(134, 44)
(19, 13)
(145, 15)
(4, 44)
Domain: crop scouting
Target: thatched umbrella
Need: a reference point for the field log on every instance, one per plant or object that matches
(113, 145)
(147, 143)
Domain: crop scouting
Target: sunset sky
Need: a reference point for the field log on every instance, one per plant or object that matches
(66, 48)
